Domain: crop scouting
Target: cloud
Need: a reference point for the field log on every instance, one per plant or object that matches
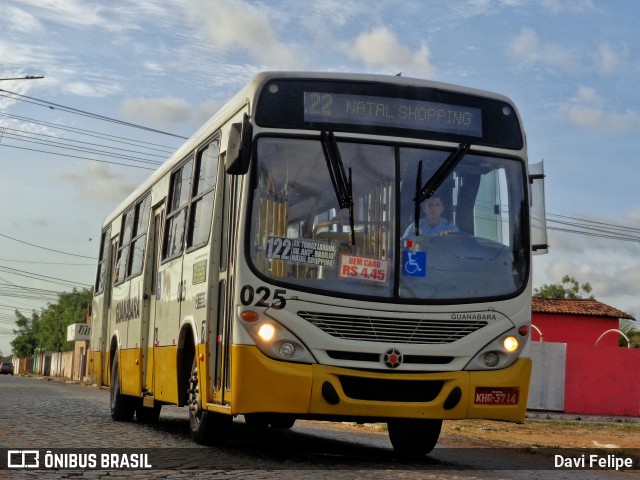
(588, 110)
(97, 89)
(379, 47)
(20, 22)
(527, 48)
(21, 55)
(74, 13)
(99, 182)
(158, 112)
(330, 13)
(167, 112)
(240, 25)
(568, 6)
(606, 60)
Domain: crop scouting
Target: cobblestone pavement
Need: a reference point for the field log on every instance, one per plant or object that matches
(72, 420)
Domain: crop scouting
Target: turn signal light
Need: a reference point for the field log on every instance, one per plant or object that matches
(249, 316)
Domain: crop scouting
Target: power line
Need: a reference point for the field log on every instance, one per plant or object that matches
(90, 133)
(45, 248)
(592, 228)
(586, 227)
(51, 105)
(76, 156)
(75, 145)
(53, 140)
(38, 262)
(37, 276)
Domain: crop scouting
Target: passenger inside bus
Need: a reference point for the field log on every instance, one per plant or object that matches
(432, 223)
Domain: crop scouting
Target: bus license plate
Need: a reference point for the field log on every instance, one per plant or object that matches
(496, 396)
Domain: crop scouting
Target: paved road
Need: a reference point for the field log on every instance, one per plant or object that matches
(73, 420)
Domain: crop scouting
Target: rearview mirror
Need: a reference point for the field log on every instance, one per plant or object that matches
(239, 147)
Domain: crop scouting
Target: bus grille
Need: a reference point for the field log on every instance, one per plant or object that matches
(392, 330)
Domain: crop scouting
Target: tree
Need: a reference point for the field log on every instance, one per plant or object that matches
(631, 333)
(48, 329)
(26, 340)
(568, 287)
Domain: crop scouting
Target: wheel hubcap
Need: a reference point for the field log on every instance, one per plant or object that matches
(195, 411)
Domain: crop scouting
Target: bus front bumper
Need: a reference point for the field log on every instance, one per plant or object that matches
(260, 384)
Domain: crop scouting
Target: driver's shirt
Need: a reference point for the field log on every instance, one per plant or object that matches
(427, 230)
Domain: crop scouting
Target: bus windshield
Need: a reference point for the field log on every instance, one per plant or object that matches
(468, 241)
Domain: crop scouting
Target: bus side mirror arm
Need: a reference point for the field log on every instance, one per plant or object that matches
(239, 147)
(538, 222)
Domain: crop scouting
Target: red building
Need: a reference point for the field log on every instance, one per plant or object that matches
(582, 321)
(570, 373)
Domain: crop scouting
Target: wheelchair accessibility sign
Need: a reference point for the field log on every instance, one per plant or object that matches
(414, 264)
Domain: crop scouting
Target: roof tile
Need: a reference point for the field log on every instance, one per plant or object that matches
(578, 306)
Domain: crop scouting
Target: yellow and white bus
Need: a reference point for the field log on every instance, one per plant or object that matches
(279, 265)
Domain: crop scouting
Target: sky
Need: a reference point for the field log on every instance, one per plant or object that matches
(72, 146)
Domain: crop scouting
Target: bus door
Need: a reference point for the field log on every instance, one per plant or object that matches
(100, 317)
(108, 319)
(171, 286)
(222, 321)
(151, 295)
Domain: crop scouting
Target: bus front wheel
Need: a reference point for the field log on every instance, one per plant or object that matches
(414, 437)
(207, 428)
(148, 414)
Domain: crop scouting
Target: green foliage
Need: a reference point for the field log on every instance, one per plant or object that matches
(631, 333)
(47, 330)
(26, 340)
(568, 287)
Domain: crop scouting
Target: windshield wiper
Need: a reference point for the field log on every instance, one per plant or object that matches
(429, 188)
(342, 185)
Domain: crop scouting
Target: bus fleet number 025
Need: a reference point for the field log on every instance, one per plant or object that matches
(262, 297)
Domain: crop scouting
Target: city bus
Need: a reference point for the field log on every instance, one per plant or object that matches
(277, 266)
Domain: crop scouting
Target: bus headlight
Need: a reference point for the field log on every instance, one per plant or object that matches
(266, 332)
(274, 340)
(502, 352)
(510, 344)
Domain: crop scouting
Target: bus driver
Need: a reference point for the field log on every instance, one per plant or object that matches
(431, 224)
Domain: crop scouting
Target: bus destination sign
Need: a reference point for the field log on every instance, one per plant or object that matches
(392, 112)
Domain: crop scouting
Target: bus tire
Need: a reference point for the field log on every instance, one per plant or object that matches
(257, 422)
(413, 437)
(122, 406)
(148, 415)
(207, 428)
(282, 421)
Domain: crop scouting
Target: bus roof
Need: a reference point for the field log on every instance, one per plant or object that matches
(248, 94)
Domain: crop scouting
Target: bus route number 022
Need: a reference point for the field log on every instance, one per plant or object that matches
(262, 297)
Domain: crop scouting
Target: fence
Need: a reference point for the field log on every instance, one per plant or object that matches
(584, 379)
(48, 364)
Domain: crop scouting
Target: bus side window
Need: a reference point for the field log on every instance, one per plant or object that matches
(201, 210)
(102, 261)
(139, 241)
(177, 215)
(122, 261)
